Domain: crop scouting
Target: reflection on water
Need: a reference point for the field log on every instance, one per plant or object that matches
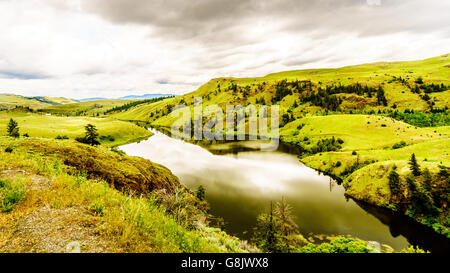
(240, 185)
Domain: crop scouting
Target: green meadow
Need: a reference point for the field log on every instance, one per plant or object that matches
(87, 108)
(114, 132)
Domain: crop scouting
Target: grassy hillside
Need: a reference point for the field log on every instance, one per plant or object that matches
(88, 108)
(9, 101)
(397, 79)
(112, 132)
(49, 201)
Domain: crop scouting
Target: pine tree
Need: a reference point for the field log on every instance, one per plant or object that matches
(91, 135)
(283, 212)
(414, 166)
(13, 128)
(201, 193)
(427, 180)
(394, 182)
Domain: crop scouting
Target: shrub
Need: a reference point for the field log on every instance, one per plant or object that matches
(354, 153)
(399, 145)
(8, 150)
(339, 245)
(11, 194)
(61, 137)
(97, 208)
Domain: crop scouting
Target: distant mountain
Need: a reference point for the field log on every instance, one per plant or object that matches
(131, 97)
(146, 96)
(91, 99)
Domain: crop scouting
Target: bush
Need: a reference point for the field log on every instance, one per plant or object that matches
(8, 150)
(354, 153)
(339, 245)
(399, 145)
(11, 194)
(61, 137)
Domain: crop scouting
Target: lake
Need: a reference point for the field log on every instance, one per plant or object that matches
(241, 181)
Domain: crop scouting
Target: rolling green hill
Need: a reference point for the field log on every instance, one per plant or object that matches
(9, 101)
(406, 86)
(87, 108)
(112, 132)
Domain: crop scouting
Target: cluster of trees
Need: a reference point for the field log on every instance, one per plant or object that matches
(285, 88)
(357, 89)
(133, 104)
(433, 88)
(420, 193)
(276, 231)
(327, 145)
(322, 99)
(422, 119)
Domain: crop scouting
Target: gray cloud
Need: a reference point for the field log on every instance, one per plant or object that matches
(208, 19)
(86, 48)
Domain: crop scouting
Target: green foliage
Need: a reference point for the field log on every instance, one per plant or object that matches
(201, 193)
(412, 249)
(10, 194)
(394, 182)
(8, 150)
(339, 245)
(399, 145)
(133, 104)
(97, 208)
(421, 201)
(267, 234)
(423, 119)
(414, 166)
(90, 137)
(326, 145)
(13, 128)
(59, 137)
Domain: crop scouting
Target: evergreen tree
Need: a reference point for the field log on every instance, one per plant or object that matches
(201, 193)
(283, 212)
(414, 166)
(427, 180)
(91, 136)
(13, 128)
(394, 182)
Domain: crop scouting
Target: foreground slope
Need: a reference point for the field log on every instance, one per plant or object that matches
(63, 196)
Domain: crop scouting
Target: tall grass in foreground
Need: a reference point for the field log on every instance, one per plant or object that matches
(136, 223)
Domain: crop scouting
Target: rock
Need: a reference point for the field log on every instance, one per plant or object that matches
(374, 247)
(73, 247)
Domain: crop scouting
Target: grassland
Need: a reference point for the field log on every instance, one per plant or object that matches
(434, 70)
(51, 204)
(9, 101)
(114, 132)
(87, 108)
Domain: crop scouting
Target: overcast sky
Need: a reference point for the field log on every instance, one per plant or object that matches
(112, 48)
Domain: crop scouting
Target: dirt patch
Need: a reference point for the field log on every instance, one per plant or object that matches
(38, 182)
(52, 230)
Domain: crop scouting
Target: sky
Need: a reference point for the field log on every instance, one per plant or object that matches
(113, 48)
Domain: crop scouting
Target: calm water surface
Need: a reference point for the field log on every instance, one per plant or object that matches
(240, 185)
